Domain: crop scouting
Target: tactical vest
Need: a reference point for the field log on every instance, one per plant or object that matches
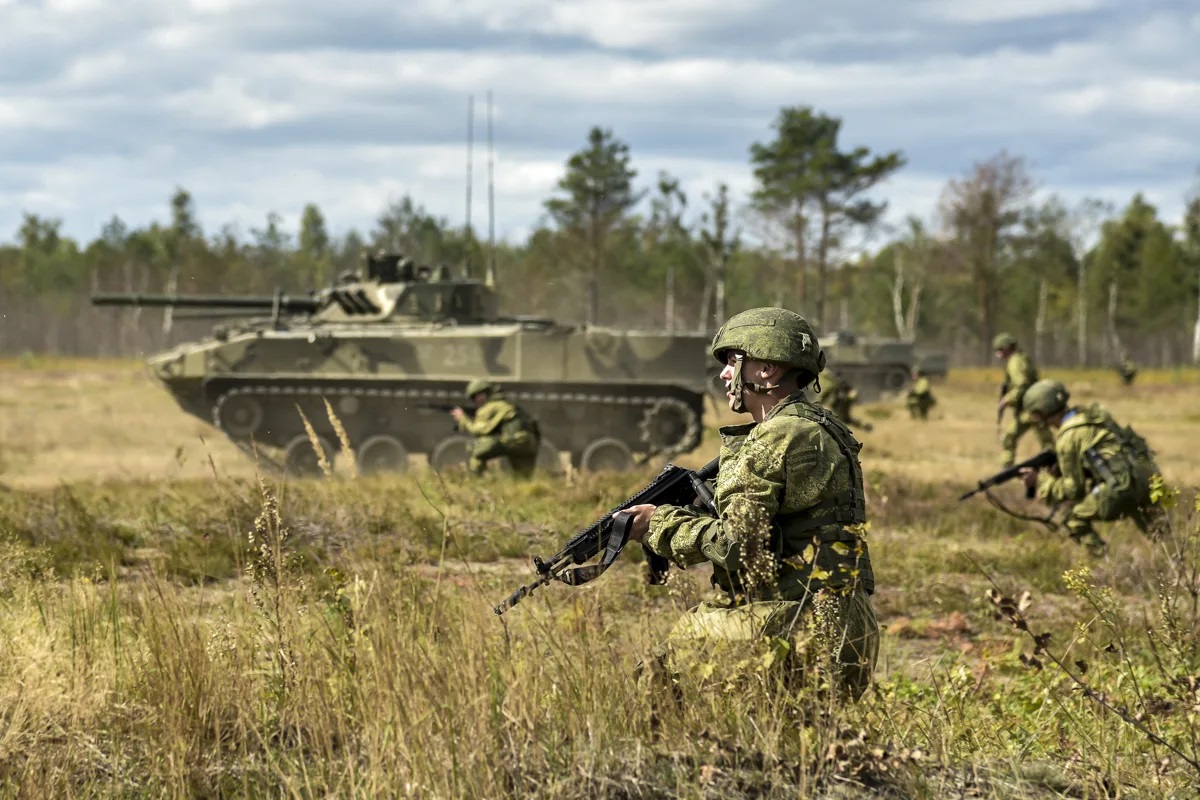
(519, 430)
(836, 555)
(1133, 462)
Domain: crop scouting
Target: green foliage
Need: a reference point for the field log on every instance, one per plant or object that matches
(995, 259)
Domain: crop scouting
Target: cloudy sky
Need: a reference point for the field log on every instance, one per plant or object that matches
(264, 105)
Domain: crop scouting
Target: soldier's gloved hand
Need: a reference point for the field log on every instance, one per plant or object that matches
(641, 521)
(457, 413)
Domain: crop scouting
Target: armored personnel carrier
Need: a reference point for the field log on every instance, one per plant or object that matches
(878, 367)
(392, 348)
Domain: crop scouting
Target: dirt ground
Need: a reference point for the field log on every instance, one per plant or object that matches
(69, 421)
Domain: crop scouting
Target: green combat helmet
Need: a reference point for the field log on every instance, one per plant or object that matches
(1003, 341)
(1045, 397)
(768, 334)
(480, 385)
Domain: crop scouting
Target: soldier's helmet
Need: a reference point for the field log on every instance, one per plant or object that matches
(771, 334)
(1046, 397)
(480, 385)
(1003, 341)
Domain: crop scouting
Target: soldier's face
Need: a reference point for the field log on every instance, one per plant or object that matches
(479, 398)
(731, 362)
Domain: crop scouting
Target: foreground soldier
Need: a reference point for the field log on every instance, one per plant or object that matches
(839, 396)
(501, 429)
(920, 397)
(784, 547)
(1019, 375)
(1105, 469)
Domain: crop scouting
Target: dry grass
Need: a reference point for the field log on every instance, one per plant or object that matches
(179, 630)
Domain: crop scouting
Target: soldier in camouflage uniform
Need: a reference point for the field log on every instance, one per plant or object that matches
(1104, 469)
(1019, 375)
(839, 396)
(920, 396)
(1127, 370)
(787, 548)
(501, 429)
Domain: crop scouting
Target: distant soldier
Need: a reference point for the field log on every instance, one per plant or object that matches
(1104, 469)
(501, 429)
(920, 396)
(1127, 370)
(839, 396)
(1019, 375)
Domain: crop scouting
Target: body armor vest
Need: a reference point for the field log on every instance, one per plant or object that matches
(811, 558)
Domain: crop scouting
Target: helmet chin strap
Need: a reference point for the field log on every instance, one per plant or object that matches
(738, 385)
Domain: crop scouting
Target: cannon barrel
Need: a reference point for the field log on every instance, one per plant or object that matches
(249, 303)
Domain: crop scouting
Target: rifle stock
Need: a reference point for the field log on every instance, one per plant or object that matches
(675, 486)
(1044, 459)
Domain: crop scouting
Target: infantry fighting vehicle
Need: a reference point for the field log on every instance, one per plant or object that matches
(391, 349)
(878, 367)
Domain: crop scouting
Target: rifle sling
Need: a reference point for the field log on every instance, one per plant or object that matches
(617, 537)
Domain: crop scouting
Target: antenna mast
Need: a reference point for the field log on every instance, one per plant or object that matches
(470, 148)
(490, 278)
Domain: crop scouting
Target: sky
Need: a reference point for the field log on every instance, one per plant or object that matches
(259, 106)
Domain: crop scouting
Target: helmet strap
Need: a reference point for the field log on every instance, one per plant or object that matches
(739, 384)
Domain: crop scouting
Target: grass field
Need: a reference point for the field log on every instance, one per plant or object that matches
(177, 627)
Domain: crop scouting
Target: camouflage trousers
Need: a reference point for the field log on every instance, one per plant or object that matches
(521, 454)
(919, 405)
(1106, 504)
(829, 641)
(1018, 424)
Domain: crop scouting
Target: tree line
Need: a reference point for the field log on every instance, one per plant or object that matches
(1078, 283)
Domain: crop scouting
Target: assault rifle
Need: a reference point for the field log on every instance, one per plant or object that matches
(1044, 459)
(674, 486)
(447, 407)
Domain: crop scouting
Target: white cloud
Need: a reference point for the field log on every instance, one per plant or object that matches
(984, 11)
(260, 105)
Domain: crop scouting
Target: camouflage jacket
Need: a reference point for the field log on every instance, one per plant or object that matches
(920, 388)
(492, 416)
(1092, 449)
(1019, 375)
(795, 477)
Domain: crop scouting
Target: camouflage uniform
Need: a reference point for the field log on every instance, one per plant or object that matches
(501, 429)
(1105, 473)
(1019, 375)
(920, 398)
(1127, 370)
(839, 397)
(785, 548)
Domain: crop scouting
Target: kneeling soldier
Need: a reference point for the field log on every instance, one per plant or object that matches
(1104, 469)
(787, 547)
(501, 429)
(920, 397)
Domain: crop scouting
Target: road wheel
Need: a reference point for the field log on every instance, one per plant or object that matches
(382, 454)
(453, 452)
(239, 415)
(606, 454)
(300, 456)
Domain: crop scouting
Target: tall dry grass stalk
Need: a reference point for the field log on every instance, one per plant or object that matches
(322, 460)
